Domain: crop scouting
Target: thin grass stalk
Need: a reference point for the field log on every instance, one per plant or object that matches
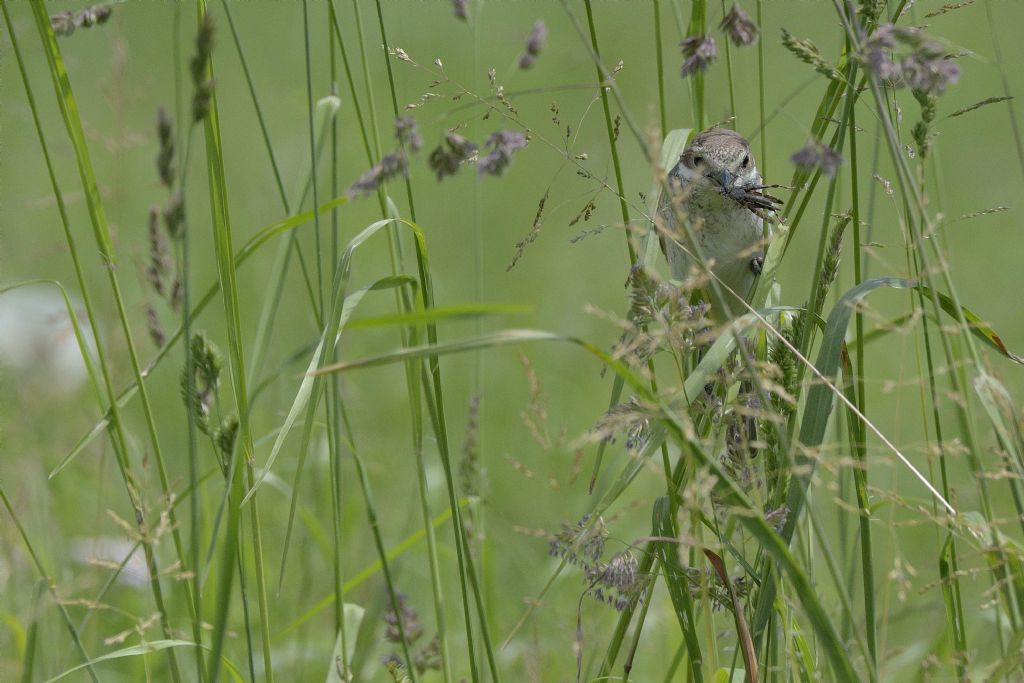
(609, 127)
(697, 27)
(101, 233)
(465, 560)
(251, 246)
(313, 155)
(334, 386)
(264, 131)
(378, 541)
(37, 562)
(394, 104)
(415, 375)
(911, 190)
(243, 456)
(193, 452)
(645, 605)
(32, 637)
(856, 431)
(435, 409)
(952, 594)
(729, 78)
(478, 512)
(760, 89)
(715, 288)
(767, 593)
(183, 254)
(414, 386)
(1010, 106)
(660, 69)
(279, 269)
(352, 87)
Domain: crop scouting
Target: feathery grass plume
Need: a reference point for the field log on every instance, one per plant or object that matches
(459, 9)
(153, 326)
(65, 23)
(503, 144)
(815, 155)
(632, 418)
(618, 582)
(660, 318)
(472, 479)
(207, 363)
(160, 264)
(408, 133)
(165, 157)
(531, 237)
(444, 162)
(202, 87)
(534, 44)
(579, 544)
(387, 168)
(410, 621)
(698, 53)
(806, 51)
(740, 28)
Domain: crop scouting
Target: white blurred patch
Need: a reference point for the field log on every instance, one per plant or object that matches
(37, 340)
(110, 552)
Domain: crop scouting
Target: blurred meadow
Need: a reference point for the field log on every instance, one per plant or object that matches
(265, 490)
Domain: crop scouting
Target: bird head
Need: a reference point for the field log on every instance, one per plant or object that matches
(717, 159)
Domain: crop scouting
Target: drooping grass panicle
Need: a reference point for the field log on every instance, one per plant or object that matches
(502, 144)
(698, 54)
(390, 166)
(448, 157)
(408, 133)
(535, 42)
(817, 156)
(459, 9)
(739, 27)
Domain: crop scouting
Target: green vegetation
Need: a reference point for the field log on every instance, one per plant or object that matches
(337, 343)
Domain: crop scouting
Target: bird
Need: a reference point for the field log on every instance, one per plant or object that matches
(715, 186)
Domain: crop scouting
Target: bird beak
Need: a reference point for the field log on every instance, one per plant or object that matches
(723, 178)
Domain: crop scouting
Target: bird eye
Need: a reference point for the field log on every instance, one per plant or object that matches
(697, 161)
(746, 161)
